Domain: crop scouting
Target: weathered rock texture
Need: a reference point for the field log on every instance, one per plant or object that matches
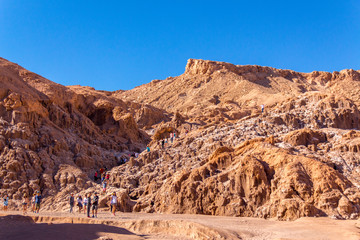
(53, 137)
(297, 158)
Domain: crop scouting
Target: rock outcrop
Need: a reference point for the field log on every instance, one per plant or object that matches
(52, 137)
(298, 157)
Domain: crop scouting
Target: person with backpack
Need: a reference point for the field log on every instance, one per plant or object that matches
(37, 202)
(95, 205)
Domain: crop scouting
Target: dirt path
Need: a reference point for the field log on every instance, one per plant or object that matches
(168, 226)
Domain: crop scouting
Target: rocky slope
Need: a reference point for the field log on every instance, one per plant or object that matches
(52, 138)
(209, 88)
(297, 158)
(270, 165)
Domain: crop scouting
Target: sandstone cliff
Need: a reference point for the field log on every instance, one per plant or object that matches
(297, 158)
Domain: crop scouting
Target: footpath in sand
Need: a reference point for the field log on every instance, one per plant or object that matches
(47, 225)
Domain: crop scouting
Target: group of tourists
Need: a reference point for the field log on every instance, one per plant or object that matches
(34, 202)
(165, 141)
(87, 204)
(91, 204)
(104, 178)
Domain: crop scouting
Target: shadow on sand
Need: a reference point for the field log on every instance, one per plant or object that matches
(17, 227)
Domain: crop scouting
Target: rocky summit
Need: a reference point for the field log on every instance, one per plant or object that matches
(220, 139)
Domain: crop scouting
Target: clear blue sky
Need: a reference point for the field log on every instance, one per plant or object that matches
(112, 45)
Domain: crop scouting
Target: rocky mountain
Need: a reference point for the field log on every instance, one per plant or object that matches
(52, 138)
(299, 157)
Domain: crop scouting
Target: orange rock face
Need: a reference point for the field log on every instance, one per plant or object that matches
(221, 155)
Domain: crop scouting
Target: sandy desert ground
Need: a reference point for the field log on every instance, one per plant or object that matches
(46, 225)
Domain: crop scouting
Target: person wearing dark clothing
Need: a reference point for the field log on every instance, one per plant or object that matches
(95, 176)
(72, 200)
(95, 205)
(37, 202)
(88, 204)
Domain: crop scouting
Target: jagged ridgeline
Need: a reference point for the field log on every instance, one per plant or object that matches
(299, 157)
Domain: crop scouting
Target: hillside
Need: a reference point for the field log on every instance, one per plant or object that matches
(208, 88)
(297, 158)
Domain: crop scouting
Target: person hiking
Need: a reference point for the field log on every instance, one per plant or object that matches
(113, 203)
(79, 203)
(88, 204)
(262, 107)
(71, 201)
(104, 186)
(6, 202)
(107, 176)
(162, 143)
(102, 177)
(33, 203)
(95, 205)
(95, 176)
(25, 203)
(37, 202)
(85, 203)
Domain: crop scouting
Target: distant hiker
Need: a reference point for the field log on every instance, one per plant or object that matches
(101, 171)
(79, 203)
(37, 202)
(102, 177)
(71, 202)
(107, 176)
(148, 149)
(95, 205)
(104, 186)
(262, 107)
(85, 203)
(6, 202)
(95, 176)
(174, 135)
(33, 203)
(136, 155)
(25, 202)
(88, 204)
(162, 143)
(113, 203)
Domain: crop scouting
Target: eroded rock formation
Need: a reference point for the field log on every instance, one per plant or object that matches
(299, 157)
